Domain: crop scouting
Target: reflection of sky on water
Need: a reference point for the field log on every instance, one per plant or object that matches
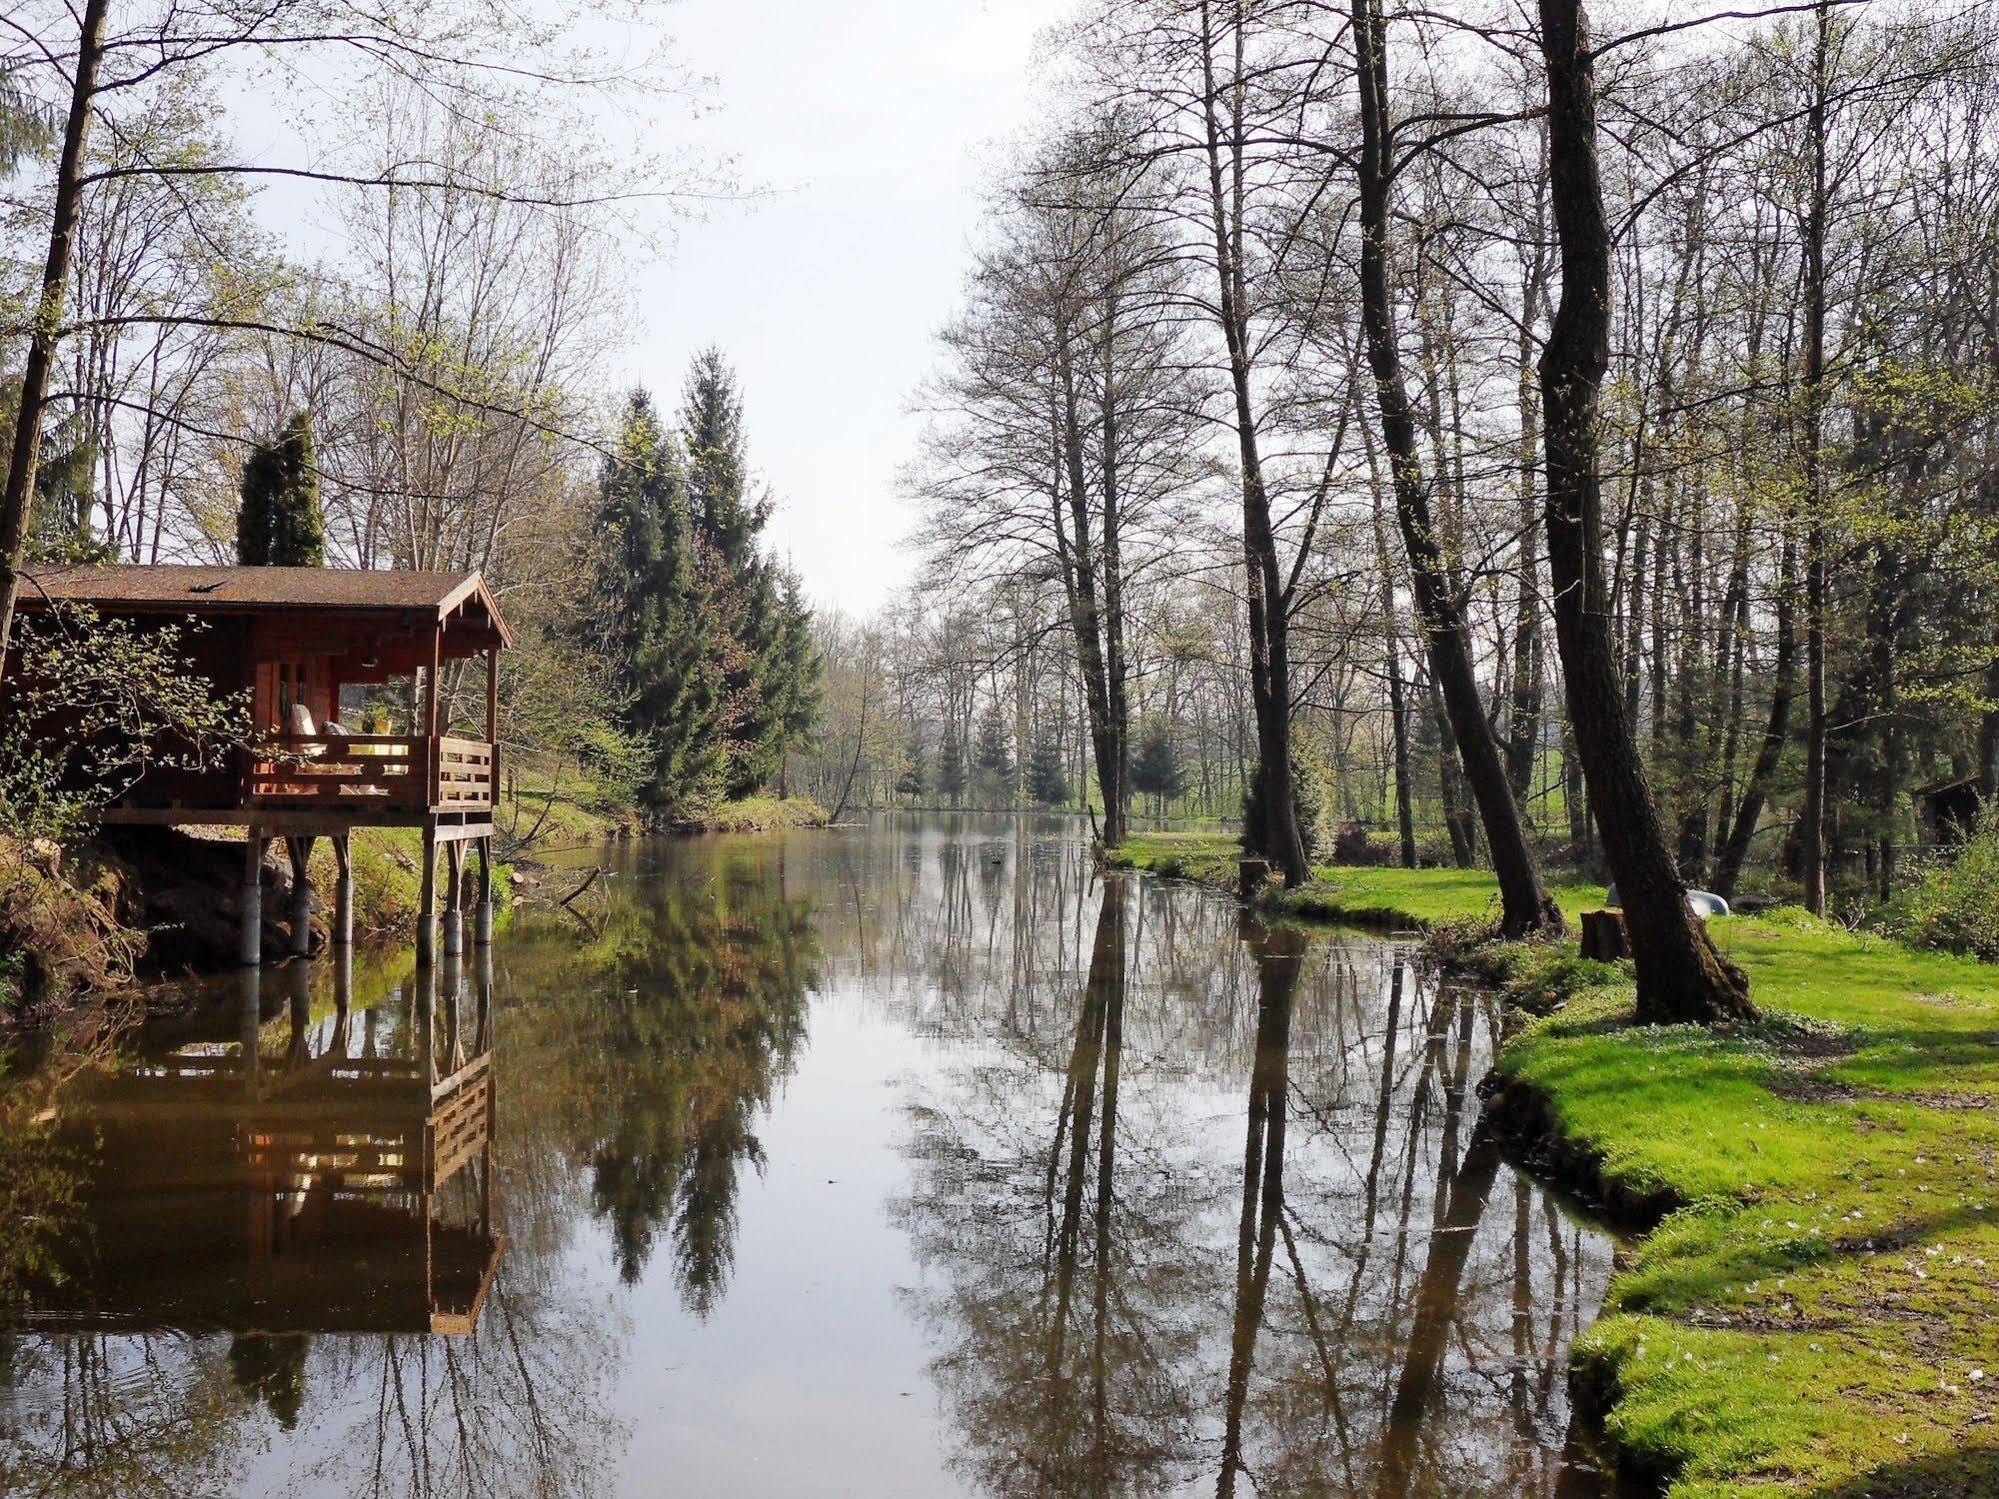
(794, 1201)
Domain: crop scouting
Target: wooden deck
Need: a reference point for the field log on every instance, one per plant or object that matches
(332, 782)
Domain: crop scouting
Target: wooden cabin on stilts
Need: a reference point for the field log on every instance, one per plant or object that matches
(294, 639)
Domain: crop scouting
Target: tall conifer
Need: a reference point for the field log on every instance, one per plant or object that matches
(279, 523)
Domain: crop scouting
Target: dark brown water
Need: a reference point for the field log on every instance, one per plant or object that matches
(915, 1160)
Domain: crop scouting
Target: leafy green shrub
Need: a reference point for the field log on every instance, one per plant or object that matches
(1956, 904)
(96, 703)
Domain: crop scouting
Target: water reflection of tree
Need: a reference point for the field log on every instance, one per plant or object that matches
(695, 1012)
(1067, 1333)
(1341, 1292)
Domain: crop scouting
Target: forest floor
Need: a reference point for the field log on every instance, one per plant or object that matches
(1813, 1309)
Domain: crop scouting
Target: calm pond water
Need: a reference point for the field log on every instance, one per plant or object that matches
(916, 1161)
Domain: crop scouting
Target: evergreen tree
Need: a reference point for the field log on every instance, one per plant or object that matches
(710, 641)
(951, 770)
(993, 759)
(1155, 769)
(661, 625)
(1047, 774)
(770, 670)
(787, 682)
(727, 517)
(279, 523)
(65, 496)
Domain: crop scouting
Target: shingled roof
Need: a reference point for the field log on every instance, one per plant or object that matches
(257, 590)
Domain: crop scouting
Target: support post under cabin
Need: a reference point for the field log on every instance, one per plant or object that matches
(483, 934)
(343, 890)
(250, 948)
(426, 927)
(301, 852)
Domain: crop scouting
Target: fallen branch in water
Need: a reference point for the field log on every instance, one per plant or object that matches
(588, 880)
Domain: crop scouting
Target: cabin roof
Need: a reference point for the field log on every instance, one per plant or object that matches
(259, 590)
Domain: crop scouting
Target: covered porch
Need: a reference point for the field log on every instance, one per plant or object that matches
(304, 646)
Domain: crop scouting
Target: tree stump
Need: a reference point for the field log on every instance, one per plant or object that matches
(1604, 937)
(1251, 876)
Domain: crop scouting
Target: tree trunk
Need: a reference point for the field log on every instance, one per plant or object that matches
(1524, 905)
(1523, 710)
(1812, 831)
(1575, 793)
(1115, 695)
(1080, 572)
(1988, 728)
(1680, 975)
(25, 457)
(1398, 710)
(1273, 831)
(1458, 822)
(1784, 687)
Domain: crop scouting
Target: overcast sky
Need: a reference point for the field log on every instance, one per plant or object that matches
(868, 120)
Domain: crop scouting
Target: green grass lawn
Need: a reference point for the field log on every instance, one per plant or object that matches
(1820, 1314)
(1420, 898)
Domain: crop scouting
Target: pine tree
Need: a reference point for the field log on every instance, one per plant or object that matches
(727, 517)
(993, 758)
(65, 496)
(1047, 774)
(951, 770)
(770, 667)
(279, 523)
(659, 622)
(1155, 769)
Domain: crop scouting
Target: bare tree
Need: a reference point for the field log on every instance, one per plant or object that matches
(1680, 974)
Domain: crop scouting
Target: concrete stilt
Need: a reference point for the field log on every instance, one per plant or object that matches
(426, 926)
(454, 901)
(251, 947)
(301, 852)
(484, 933)
(343, 892)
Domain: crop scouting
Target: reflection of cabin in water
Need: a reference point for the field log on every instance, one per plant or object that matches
(290, 1172)
(293, 638)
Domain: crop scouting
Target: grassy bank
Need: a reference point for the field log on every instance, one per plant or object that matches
(1412, 898)
(1815, 1312)
(1812, 1309)
(759, 814)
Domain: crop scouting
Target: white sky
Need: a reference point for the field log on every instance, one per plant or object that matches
(867, 119)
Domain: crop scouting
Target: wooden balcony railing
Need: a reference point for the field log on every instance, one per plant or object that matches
(463, 777)
(389, 772)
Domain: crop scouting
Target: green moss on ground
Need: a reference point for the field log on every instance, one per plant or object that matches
(1817, 1316)
(1416, 898)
